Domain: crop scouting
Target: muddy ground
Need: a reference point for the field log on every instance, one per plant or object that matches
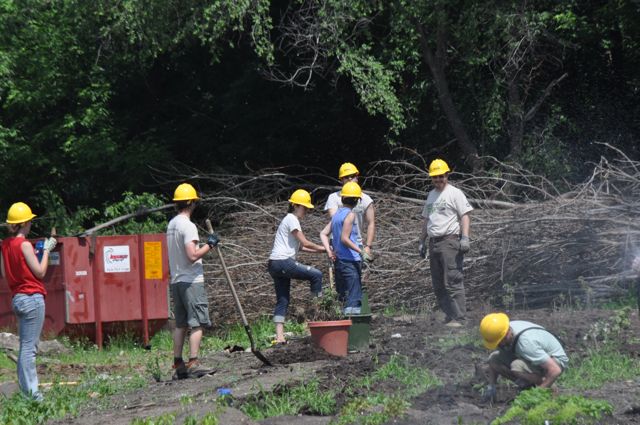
(452, 355)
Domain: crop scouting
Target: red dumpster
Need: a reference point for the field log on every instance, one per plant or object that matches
(101, 286)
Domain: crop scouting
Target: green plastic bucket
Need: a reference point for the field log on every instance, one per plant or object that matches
(364, 302)
(359, 332)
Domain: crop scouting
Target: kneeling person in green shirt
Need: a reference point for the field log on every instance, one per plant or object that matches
(526, 353)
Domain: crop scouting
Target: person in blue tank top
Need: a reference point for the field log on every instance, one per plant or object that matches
(348, 255)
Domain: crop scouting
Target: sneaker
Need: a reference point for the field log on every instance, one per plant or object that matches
(523, 384)
(453, 324)
(196, 370)
(180, 371)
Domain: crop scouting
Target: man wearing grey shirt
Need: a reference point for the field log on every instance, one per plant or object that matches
(446, 223)
(190, 304)
(526, 353)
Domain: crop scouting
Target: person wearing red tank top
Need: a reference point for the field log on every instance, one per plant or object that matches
(24, 272)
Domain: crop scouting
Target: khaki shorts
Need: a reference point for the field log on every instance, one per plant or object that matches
(508, 359)
(190, 305)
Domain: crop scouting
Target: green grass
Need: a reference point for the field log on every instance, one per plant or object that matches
(447, 342)
(599, 367)
(376, 409)
(61, 401)
(262, 330)
(133, 366)
(290, 401)
(380, 407)
(537, 405)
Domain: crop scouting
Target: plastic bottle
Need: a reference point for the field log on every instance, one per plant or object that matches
(224, 396)
(39, 249)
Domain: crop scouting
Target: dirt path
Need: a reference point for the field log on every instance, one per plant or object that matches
(454, 356)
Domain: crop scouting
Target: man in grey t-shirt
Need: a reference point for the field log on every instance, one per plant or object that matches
(446, 223)
(190, 304)
(526, 353)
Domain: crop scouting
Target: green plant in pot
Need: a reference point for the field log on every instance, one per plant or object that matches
(329, 327)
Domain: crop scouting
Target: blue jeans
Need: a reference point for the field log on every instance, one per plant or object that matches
(348, 284)
(282, 271)
(29, 310)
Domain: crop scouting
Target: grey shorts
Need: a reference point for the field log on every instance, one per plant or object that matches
(190, 305)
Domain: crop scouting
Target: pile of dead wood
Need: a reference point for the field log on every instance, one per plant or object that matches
(533, 244)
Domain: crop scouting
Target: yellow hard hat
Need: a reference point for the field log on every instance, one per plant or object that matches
(438, 167)
(347, 169)
(19, 213)
(301, 197)
(185, 192)
(351, 190)
(494, 328)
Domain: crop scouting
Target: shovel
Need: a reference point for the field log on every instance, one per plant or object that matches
(254, 350)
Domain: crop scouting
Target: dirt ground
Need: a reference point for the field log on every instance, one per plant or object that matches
(453, 356)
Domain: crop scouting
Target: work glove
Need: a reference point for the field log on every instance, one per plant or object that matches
(212, 240)
(635, 266)
(489, 394)
(422, 250)
(366, 257)
(464, 244)
(50, 244)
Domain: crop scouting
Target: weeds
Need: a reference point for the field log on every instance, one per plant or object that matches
(372, 410)
(538, 406)
(291, 401)
(378, 408)
(166, 419)
(599, 367)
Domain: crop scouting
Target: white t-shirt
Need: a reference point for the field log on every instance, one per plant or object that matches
(180, 232)
(285, 244)
(335, 201)
(444, 210)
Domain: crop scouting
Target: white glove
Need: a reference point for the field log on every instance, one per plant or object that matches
(50, 244)
(635, 266)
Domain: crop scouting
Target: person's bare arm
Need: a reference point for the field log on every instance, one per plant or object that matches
(370, 217)
(347, 226)
(465, 224)
(39, 269)
(324, 237)
(194, 253)
(423, 234)
(305, 244)
(552, 370)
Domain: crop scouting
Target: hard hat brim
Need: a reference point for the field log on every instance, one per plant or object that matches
(436, 173)
(24, 220)
(186, 198)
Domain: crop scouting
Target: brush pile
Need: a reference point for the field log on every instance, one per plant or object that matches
(533, 244)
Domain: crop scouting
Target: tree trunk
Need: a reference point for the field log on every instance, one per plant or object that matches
(515, 118)
(436, 64)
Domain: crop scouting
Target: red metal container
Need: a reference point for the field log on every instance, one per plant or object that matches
(102, 285)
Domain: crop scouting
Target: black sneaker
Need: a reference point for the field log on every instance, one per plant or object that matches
(180, 371)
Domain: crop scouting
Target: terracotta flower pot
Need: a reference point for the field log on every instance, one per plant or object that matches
(331, 336)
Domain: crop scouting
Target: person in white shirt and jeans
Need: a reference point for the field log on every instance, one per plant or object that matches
(283, 266)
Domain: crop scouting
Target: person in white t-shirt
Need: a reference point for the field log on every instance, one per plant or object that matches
(190, 304)
(283, 266)
(446, 223)
(364, 211)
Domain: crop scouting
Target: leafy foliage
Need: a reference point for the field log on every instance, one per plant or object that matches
(537, 405)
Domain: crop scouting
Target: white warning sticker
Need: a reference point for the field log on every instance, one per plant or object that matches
(117, 259)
